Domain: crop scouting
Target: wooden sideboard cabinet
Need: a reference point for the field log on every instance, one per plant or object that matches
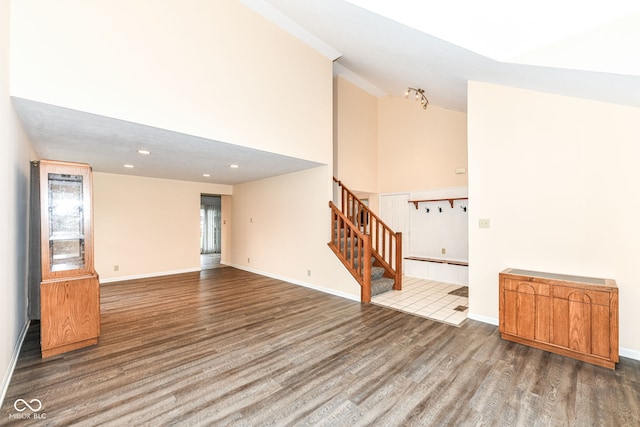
(568, 315)
(69, 287)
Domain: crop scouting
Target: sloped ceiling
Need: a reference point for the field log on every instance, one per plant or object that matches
(581, 49)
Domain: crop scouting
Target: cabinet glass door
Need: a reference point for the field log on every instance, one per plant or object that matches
(66, 222)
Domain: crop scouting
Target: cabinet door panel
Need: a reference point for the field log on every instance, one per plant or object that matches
(510, 313)
(69, 312)
(572, 324)
(580, 326)
(600, 332)
(526, 309)
(560, 329)
(526, 313)
(542, 318)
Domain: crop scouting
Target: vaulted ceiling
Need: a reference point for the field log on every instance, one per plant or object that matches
(573, 48)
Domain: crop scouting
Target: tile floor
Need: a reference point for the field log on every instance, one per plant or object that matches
(426, 298)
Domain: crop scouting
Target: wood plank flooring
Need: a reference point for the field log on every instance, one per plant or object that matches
(227, 347)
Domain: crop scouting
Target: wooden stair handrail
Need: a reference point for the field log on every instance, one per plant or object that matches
(346, 242)
(386, 244)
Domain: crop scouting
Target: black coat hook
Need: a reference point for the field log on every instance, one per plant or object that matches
(440, 209)
(426, 209)
(464, 208)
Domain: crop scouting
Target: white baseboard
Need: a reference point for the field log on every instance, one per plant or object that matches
(298, 282)
(484, 319)
(631, 354)
(12, 364)
(147, 275)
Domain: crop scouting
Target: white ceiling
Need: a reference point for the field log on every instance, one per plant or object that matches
(504, 29)
(561, 45)
(586, 48)
(108, 144)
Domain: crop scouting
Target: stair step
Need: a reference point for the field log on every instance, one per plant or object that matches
(340, 243)
(381, 286)
(357, 262)
(376, 273)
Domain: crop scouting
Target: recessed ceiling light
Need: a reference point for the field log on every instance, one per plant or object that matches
(128, 166)
(234, 166)
(144, 151)
(206, 175)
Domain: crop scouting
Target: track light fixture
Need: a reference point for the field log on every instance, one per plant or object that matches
(419, 96)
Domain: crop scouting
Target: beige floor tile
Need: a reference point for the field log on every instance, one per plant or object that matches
(426, 298)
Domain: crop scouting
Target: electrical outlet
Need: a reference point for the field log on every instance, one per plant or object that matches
(309, 273)
(248, 260)
(443, 251)
(484, 223)
(116, 267)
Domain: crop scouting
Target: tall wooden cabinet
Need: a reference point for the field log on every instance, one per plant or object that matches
(69, 287)
(569, 315)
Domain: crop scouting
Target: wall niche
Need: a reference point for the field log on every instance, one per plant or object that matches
(438, 236)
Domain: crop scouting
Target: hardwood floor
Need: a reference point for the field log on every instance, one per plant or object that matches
(227, 347)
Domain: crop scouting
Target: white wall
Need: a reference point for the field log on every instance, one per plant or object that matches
(14, 189)
(213, 69)
(558, 179)
(443, 227)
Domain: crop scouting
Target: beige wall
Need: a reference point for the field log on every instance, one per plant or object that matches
(419, 149)
(280, 228)
(225, 234)
(356, 139)
(213, 69)
(390, 144)
(557, 177)
(14, 187)
(149, 226)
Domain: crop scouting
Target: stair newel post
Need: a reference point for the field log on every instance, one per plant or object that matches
(398, 279)
(365, 291)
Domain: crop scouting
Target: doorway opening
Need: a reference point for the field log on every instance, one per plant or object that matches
(210, 231)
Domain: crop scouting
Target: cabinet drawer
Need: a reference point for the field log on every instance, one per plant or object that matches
(525, 286)
(587, 296)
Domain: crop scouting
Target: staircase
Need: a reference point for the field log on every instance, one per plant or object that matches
(367, 247)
